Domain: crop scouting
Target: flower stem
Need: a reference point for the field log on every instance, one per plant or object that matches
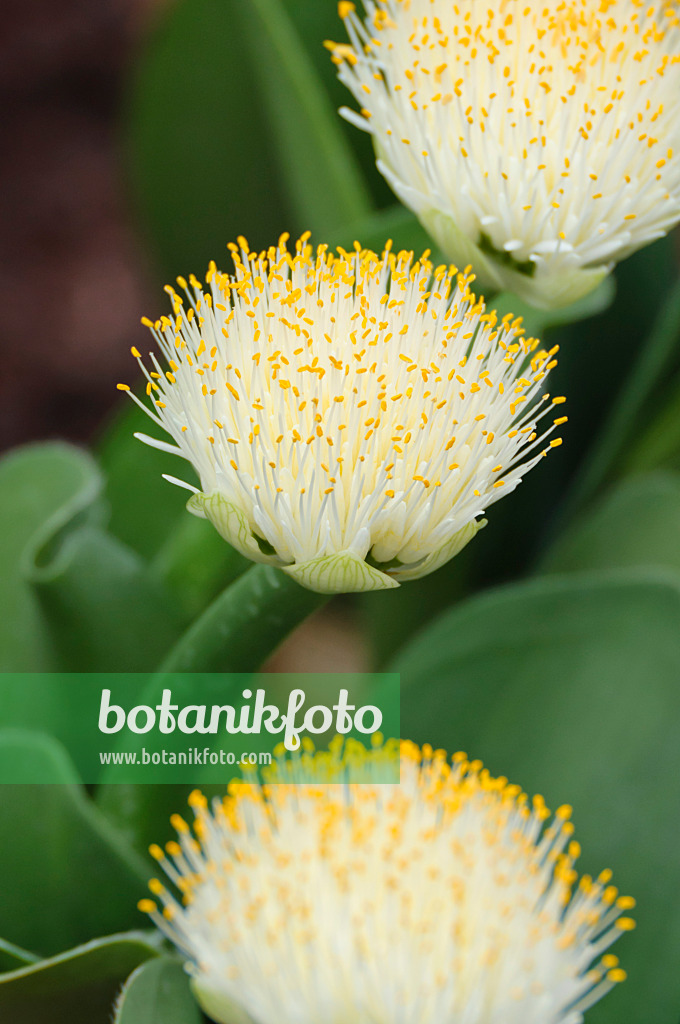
(244, 625)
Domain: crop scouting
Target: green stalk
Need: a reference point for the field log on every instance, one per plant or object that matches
(245, 624)
(651, 364)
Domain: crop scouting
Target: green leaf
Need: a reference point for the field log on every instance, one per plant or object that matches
(78, 986)
(637, 524)
(158, 993)
(196, 563)
(213, 72)
(70, 591)
(67, 873)
(316, 22)
(105, 610)
(141, 814)
(569, 686)
(189, 558)
(41, 487)
(197, 154)
(145, 508)
(322, 177)
(658, 443)
(32, 756)
(644, 378)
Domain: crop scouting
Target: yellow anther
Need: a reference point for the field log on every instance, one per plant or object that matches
(626, 924)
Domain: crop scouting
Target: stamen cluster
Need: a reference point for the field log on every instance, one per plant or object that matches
(350, 416)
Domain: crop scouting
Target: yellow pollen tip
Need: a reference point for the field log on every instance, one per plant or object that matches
(197, 800)
(626, 924)
(617, 974)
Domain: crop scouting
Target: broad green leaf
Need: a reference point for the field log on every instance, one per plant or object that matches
(569, 686)
(41, 487)
(67, 873)
(638, 523)
(70, 591)
(158, 993)
(608, 407)
(61, 706)
(230, 132)
(78, 986)
(105, 610)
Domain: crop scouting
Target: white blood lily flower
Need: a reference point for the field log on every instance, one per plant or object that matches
(538, 141)
(448, 898)
(349, 416)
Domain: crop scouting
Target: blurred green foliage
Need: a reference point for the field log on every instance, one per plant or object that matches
(564, 679)
(231, 131)
(636, 523)
(64, 857)
(71, 594)
(79, 985)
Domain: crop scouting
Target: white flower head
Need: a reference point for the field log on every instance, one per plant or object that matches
(448, 898)
(538, 141)
(350, 416)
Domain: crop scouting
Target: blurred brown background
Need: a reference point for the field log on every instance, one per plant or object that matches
(72, 277)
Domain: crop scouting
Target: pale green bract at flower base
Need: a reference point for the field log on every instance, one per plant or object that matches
(343, 572)
(350, 416)
(448, 898)
(537, 141)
